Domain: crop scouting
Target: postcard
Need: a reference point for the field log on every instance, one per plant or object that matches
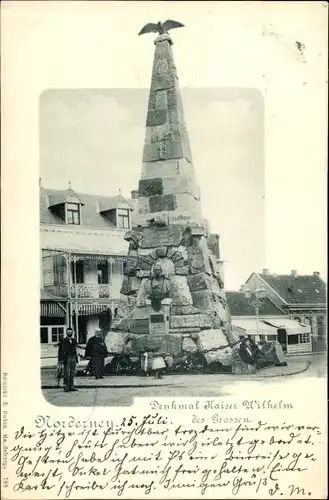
(164, 320)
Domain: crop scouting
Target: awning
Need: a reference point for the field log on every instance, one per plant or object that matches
(249, 327)
(292, 327)
(93, 243)
(52, 310)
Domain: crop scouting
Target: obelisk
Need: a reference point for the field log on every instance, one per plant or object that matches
(169, 229)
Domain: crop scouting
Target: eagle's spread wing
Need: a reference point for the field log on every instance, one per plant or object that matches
(169, 25)
(149, 28)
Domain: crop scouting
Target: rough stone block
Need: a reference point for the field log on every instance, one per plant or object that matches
(174, 98)
(177, 184)
(145, 262)
(161, 65)
(184, 218)
(148, 135)
(161, 98)
(131, 265)
(180, 292)
(161, 252)
(156, 169)
(196, 259)
(150, 187)
(176, 115)
(203, 300)
(171, 252)
(181, 271)
(156, 117)
(182, 310)
(140, 326)
(149, 238)
(170, 344)
(213, 243)
(199, 282)
(152, 99)
(161, 133)
(141, 313)
(177, 257)
(130, 285)
(160, 203)
(143, 205)
(164, 150)
(162, 81)
(193, 320)
(187, 202)
(179, 264)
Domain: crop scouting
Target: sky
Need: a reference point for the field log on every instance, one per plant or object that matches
(258, 137)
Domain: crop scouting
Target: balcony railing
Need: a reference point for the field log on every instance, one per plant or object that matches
(86, 291)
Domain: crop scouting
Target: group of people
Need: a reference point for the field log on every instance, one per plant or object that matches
(96, 351)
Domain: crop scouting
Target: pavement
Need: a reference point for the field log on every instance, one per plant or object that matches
(120, 390)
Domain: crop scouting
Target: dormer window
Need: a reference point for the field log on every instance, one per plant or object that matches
(73, 213)
(123, 217)
(117, 210)
(66, 205)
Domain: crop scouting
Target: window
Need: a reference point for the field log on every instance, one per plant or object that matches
(103, 273)
(304, 338)
(48, 270)
(262, 337)
(77, 271)
(123, 218)
(57, 333)
(73, 213)
(51, 334)
(271, 338)
(44, 335)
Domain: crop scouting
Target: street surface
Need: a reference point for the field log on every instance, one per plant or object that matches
(120, 390)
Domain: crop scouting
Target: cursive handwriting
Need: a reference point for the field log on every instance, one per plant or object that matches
(149, 455)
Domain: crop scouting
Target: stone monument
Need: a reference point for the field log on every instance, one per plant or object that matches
(172, 272)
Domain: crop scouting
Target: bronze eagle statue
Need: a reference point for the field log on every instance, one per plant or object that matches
(160, 28)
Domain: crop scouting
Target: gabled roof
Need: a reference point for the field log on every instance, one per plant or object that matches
(59, 197)
(90, 209)
(113, 202)
(307, 289)
(240, 306)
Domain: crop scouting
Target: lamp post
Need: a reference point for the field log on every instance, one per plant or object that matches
(255, 298)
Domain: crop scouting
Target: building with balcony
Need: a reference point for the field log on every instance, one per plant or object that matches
(82, 260)
(303, 299)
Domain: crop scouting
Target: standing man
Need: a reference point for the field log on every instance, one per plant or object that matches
(96, 350)
(70, 359)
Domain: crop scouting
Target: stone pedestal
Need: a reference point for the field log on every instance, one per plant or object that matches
(159, 321)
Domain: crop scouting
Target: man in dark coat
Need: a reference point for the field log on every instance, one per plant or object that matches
(68, 352)
(97, 351)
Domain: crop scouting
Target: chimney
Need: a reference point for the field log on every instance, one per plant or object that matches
(266, 272)
(316, 273)
(134, 194)
(294, 273)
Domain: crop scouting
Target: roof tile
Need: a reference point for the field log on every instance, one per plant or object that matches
(304, 289)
